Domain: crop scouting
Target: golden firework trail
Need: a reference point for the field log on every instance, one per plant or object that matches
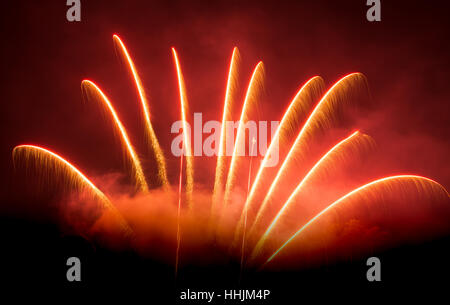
(226, 116)
(339, 148)
(419, 180)
(61, 167)
(288, 124)
(250, 98)
(151, 136)
(134, 160)
(319, 118)
(187, 142)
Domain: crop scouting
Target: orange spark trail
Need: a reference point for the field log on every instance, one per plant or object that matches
(177, 254)
(296, 108)
(187, 145)
(231, 84)
(253, 86)
(53, 161)
(136, 164)
(319, 114)
(360, 189)
(159, 156)
(320, 163)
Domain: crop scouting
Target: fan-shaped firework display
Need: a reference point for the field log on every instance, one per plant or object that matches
(287, 215)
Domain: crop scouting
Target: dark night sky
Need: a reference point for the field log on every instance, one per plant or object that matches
(44, 58)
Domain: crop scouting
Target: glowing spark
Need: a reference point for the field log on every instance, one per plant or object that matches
(53, 161)
(318, 116)
(187, 143)
(136, 164)
(355, 191)
(232, 78)
(285, 206)
(252, 87)
(159, 156)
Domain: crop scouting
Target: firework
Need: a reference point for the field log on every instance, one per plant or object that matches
(343, 150)
(370, 192)
(321, 118)
(88, 86)
(61, 169)
(220, 166)
(289, 124)
(270, 223)
(151, 136)
(187, 143)
(253, 89)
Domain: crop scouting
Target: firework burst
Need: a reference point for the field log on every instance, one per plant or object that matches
(277, 219)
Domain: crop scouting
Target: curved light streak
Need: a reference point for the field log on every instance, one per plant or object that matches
(159, 156)
(300, 136)
(287, 117)
(75, 175)
(218, 181)
(359, 189)
(136, 164)
(288, 202)
(257, 73)
(187, 143)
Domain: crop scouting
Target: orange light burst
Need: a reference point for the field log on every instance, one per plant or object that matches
(134, 160)
(187, 142)
(159, 156)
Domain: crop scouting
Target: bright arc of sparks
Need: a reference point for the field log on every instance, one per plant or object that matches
(239, 137)
(263, 238)
(187, 145)
(284, 120)
(162, 174)
(137, 168)
(80, 178)
(298, 139)
(218, 181)
(66, 163)
(362, 188)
